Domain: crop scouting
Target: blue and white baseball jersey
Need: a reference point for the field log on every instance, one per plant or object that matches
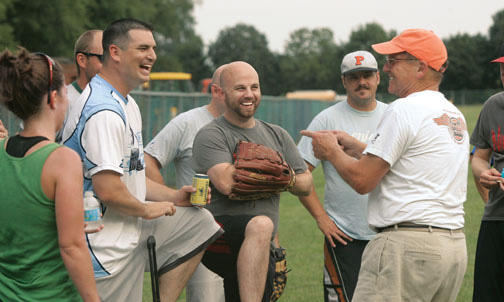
(105, 129)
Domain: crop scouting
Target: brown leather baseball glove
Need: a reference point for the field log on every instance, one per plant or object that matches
(280, 279)
(260, 172)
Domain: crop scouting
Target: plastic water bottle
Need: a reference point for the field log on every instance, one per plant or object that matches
(92, 212)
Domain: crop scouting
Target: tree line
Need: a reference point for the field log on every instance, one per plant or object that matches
(310, 60)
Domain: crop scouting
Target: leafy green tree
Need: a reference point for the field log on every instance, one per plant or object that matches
(54, 28)
(172, 18)
(244, 43)
(496, 41)
(6, 31)
(51, 28)
(186, 55)
(365, 35)
(362, 38)
(310, 60)
(468, 57)
(496, 32)
(178, 47)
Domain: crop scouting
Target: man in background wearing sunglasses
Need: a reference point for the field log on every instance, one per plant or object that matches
(87, 53)
(415, 167)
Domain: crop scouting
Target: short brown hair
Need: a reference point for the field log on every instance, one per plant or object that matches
(118, 33)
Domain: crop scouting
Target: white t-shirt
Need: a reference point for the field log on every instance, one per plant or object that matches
(175, 141)
(73, 92)
(343, 205)
(424, 139)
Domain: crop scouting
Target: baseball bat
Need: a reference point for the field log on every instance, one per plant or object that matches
(151, 247)
(337, 282)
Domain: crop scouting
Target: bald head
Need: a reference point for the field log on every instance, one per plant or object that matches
(217, 75)
(217, 104)
(234, 70)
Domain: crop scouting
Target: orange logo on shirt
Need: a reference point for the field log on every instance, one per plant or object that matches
(358, 60)
(456, 126)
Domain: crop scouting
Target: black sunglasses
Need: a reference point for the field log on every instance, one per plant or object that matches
(50, 66)
(90, 54)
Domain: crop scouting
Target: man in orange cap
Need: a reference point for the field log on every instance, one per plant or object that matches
(415, 168)
(488, 139)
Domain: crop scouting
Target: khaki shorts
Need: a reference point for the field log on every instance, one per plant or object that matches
(412, 265)
(178, 238)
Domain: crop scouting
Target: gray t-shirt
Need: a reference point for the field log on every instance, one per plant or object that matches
(489, 134)
(174, 142)
(343, 205)
(215, 144)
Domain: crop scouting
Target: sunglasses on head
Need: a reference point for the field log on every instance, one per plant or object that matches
(50, 64)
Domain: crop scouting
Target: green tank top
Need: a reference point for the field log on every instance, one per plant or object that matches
(31, 267)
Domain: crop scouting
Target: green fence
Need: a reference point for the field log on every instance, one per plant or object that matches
(158, 108)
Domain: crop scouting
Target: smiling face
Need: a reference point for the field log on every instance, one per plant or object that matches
(401, 68)
(242, 93)
(361, 88)
(137, 59)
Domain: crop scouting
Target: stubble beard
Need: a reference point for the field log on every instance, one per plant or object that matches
(236, 108)
(362, 102)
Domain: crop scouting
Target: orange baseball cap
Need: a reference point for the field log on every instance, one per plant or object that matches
(423, 44)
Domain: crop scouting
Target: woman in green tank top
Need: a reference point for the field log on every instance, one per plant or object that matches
(43, 254)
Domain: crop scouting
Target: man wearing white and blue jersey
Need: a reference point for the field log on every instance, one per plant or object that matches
(105, 128)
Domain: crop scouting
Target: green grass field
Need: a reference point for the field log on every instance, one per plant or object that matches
(301, 237)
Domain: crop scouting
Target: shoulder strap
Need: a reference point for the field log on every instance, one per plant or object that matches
(18, 145)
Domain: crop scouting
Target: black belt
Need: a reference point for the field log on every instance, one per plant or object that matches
(418, 228)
